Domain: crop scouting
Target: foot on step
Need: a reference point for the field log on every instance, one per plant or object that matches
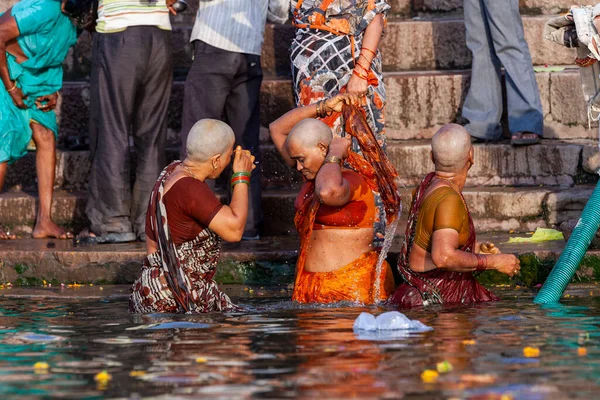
(48, 229)
(5, 234)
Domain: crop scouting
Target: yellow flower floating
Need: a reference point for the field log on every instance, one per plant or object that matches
(531, 352)
(201, 360)
(469, 342)
(103, 377)
(443, 367)
(429, 376)
(582, 351)
(137, 373)
(41, 367)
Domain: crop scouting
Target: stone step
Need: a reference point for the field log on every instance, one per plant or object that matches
(493, 208)
(418, 104)
(553, 163)
(413, 44)
(270, 261)
(528, 7)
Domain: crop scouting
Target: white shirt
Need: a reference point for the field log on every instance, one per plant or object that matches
(118, 15)
(237, 25)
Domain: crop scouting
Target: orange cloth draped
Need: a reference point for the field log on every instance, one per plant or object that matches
(379, 173)
(354, 282)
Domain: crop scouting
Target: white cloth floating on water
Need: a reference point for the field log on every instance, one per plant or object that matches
(389, 321)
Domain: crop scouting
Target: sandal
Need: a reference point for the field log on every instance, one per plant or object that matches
(86, 236)
(524, 139)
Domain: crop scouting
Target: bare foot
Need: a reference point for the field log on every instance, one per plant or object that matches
(48, 229)
(6, 234)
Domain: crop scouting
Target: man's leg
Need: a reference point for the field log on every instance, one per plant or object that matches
(207, 86)
(523, 97)
(243, 115)
(4, 235)
(483, 104)
(45, 161)
(115, 67)
(150, 120)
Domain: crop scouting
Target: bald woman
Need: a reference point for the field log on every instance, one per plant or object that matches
(336, 261)
(441, 251)
(185, 223)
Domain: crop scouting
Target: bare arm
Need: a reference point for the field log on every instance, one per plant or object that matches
(445, 254)
(330, 186)
(9, 31)
(282, 126)
(230, 220)
(370, 44)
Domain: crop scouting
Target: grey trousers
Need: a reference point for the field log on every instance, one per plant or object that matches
(495, 36)
(130, 88)
(225, 85)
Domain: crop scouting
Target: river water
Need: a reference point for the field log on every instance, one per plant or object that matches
(276, 349)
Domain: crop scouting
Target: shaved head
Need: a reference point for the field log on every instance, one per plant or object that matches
(451, 146)
(208, 137)
(309, 133)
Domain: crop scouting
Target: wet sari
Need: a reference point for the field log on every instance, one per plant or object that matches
(379, 173)
(178, 279)
(436, 286)
(46, 35)
(324, 51)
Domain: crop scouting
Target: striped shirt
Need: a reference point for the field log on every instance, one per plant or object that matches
(118, 15)
(237, 25)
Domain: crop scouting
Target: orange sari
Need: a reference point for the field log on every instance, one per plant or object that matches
(356, 281)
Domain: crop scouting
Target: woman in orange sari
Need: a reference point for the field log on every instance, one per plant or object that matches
(335, 207)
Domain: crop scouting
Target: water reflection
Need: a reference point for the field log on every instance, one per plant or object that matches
(278, 350)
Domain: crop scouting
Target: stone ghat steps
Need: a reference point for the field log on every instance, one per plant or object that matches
(270, 261)
(418, 103)
(408, 44)
(554, 163)
(493, 208)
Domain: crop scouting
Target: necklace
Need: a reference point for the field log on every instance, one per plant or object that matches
(188, 170)
(453, 186)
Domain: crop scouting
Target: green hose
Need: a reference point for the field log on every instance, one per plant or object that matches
(571, 257)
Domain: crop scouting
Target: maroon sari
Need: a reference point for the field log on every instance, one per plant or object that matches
(437, 286)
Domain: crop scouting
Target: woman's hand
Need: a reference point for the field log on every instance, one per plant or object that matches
(170, 6)
(47, 103)
(340, 146)
(336, 103)
(243, 160)
(357, 86)
(505, 263)
(488, 248)
(18, 98)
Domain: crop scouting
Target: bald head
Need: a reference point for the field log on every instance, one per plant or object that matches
(208, 137)
(451, 146)
(309, 133)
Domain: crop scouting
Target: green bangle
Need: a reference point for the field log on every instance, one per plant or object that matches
(241, 181)
(235, 175)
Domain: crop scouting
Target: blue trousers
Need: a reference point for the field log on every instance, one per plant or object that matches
(494, 33)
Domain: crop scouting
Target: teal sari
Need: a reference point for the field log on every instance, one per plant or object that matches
(46, 35)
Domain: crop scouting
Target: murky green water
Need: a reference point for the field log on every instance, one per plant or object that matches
(278, 350)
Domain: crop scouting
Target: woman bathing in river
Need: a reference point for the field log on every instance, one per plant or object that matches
(335, 207)
(185, 223)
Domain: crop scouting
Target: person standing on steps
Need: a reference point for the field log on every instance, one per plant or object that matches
(35, 37)
(225, 77)
(130, 88)
(495, 36)
(336, 50)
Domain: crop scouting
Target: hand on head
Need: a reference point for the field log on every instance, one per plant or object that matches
(243, 160)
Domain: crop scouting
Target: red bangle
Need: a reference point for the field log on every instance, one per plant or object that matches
(370, 51)
(481, 262)
(240, 178)
(363, 77)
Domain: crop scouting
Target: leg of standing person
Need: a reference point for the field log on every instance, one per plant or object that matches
(45, 160)
(4, 234)
(483, 104)
(243, 115)
(523, 98)
(149, 125)
(207, 86)
(115, 67)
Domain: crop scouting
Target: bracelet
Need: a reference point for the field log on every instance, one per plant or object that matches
(12, 89)
(481, 262)
(243, 173)
(362, 66)
(319, 110)
(333, 160)
(363, 77)
(247, 182)
(369, 50)
(239, 179)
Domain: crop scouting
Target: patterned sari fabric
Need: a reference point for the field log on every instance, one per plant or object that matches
(376, 169)
(437, 286)
(327, 44)
(178, 279)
